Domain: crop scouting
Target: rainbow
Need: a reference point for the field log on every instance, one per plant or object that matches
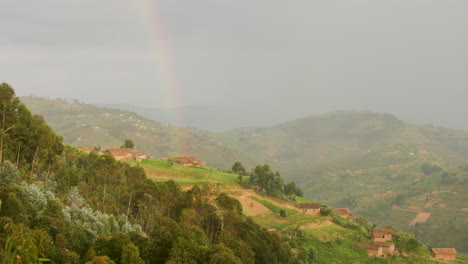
(161, 53)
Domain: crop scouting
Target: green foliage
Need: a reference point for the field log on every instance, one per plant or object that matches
(282, 213)
(131, 255)
(428, 169)
(170, 162)
(25, 139)
(19, 244)
(238, 168)
(86, 208)
(8, 173)
(128, 143)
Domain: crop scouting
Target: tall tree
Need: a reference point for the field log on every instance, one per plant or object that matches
(128, 143)
(238, 168)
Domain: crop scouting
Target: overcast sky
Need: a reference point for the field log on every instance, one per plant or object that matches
(391, 56)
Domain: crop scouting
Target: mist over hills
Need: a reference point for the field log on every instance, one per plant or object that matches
(233, 115)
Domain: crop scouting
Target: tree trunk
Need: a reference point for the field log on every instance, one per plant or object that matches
(104, 199)
(17, 157)
(33, 162)
(129, 202)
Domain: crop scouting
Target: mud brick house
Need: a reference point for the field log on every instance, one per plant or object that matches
(138, 156)
(310, 208)
(444, 254)
(380, 249)
(382, 235)
(121, 153)
(189, 161)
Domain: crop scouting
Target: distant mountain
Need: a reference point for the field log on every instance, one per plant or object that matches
(375, 164)
(215, 118)
(232, 115)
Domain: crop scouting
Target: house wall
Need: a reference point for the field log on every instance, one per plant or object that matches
(314, 212)
(388, 250)
(446, 257)
(383, 239)
(374, 252)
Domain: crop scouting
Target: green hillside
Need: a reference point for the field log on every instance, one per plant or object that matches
(83, 124)
(369, 162)
(329, 239)
(62, 205)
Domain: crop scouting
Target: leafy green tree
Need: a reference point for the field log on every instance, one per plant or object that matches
(22, 245)
(101, 260)
(271, 182)
(223, 255)
(8, 173)
(238, 168)
(429, 169)
(229, 203)
(282, 213)
(131, 255)
(128, 143)
(170, 162)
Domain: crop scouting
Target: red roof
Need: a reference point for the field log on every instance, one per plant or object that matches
(308, 206)
(120, 151)
(444, 251)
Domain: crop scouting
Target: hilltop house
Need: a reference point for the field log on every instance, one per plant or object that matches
(121, 153)
(310, 208)
(382, 235)
(138, 156)
(189, 161)
(126, 154)
(343, 212)
(444, 254)
(380, 249)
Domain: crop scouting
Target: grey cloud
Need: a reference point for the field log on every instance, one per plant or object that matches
(395, 56)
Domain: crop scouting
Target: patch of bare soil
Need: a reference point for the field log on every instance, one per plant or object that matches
(316, 225)
(442, 205)
(420, 218)
(464, 210)
(250, 206)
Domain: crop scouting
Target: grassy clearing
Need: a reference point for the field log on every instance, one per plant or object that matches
(330, 232)
(160, 170)
(273, 207)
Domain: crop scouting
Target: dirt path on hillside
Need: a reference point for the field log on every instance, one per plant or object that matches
(250, 206)
(420, 218)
